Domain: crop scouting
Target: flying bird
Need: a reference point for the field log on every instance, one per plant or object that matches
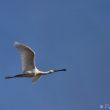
(29, 70)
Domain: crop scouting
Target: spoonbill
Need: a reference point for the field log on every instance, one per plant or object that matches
(29, 70)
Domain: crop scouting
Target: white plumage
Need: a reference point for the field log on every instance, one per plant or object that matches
(29, 69)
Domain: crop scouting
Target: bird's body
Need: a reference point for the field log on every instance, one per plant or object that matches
(29, 70)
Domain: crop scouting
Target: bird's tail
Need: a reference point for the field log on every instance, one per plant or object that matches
(8, 77)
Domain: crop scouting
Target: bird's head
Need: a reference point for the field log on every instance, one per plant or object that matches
(53, 71)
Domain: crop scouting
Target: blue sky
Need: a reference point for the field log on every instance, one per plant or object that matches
(71, 34)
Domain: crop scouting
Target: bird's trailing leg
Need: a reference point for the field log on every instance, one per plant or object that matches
(20, 76)
(8, 77)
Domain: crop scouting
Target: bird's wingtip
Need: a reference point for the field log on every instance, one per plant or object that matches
(16, 43)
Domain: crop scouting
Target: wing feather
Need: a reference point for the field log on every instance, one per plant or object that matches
(27, 56)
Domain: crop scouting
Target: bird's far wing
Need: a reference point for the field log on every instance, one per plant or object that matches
(27, 56)
(34, 79)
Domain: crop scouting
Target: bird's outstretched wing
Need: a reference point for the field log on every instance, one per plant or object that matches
(27, 56)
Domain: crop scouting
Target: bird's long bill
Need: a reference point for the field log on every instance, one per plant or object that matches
(60, 70)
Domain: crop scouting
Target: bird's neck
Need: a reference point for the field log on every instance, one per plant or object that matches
(45, 72)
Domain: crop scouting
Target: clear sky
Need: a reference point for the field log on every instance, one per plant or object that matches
(71, 34)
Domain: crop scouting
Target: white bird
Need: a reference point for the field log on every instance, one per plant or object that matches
(29, 70)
